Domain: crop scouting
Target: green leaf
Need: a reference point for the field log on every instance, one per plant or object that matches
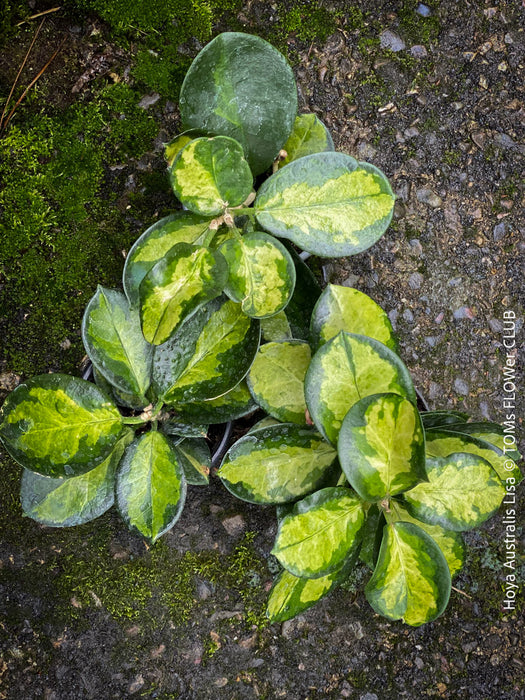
(442, 442)
(155, 242)
(346, 309)
(234, 404)
(276, 328)
(411, 581)
(175, 146)
(261, 274)
(240, 86)
(382, 446)
(436, 419)
(291, 595)
(328, 204)
(372, 534)
(276, 380)
(75, 500)
(59, 425)
(210, 354)
(317, 537)
(306, 292)
(210, 174)
(176, 287)
(114, 342)
(122, 398)
(449, 542)
(492, 433)
(151, 487)
(348, 368)
(185, 430)
(309, 135)
(462, 491)
(277, 464)
(195, 459)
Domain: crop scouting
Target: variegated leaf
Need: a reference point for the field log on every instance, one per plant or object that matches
(276, 328)
(151, 487)
(291, 595)
(122, 398)
(306, 292)
(234, 404)
(276, 380)
(114, 342)
(176, 287)
(382, 446)
(277, 464)
(442, 442)
(346, 369)
(261, 274)
(328, 204)
(156, 241)
(411, 581)
(372, 534)
(315, 539)
(57, 425)
(226, 92)
(437, 419)
(208, 357)
(175, 146)
(309, 135)
(492, 433)
(194, 457)
(178, 429)
(346, 309)
(210, 174)
(75, 500)
(462, 491)
(449, 542)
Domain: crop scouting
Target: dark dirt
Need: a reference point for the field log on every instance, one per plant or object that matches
(94, 613)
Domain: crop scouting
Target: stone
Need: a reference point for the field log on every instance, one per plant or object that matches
(418, 51)
(415, 280)
(499, 231)
(234, 525)
(391, 40)
(426, 196)
(461, 387)
(149, 100)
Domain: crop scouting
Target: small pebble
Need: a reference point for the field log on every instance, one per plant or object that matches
(423, 10)
(463, 312)
(495, 325)
(415, 280)
(428, 197)
(418, 51)
(149, 100)
(234, 525)
(391, 40)
(461, 387)
(408, 315)
(499, 231)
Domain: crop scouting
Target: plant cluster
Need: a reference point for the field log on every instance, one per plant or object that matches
(353, 467)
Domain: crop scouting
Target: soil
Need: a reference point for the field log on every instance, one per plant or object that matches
(437, 102)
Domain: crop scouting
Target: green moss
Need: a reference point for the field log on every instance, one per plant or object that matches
(306, 20)
(417, 29)
(61, 231)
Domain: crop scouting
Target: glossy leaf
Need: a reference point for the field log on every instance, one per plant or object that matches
(177, 428)
(449, 542)
(194, 457)
(57, 425)
(436, 419)
(276, 328)
(309, 135)
(209, 356)
(276, 380)
(492, 433)
(75, 500)
(306, 293)
(175, 146)
(317, 536)
(122, 398)
(346, 369)
(411, 581)
(382, 446)
(227, 92)
(151, 487)
(291, 595)
(114, 342)
(176, 287)
(277, 464)
(155, 242)
(261, 274)
(210, 174)
(346, 309)
(328, 204)
(234, 404)
(372, 534)
(462, 491)
(441, 443)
